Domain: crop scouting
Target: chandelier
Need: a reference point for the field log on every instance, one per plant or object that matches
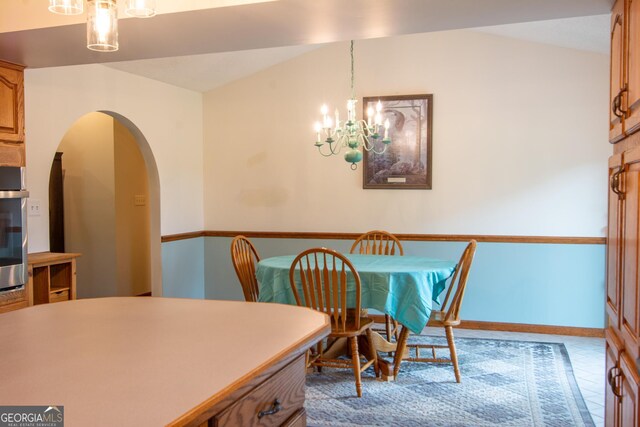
(102, 18)
(353, 134)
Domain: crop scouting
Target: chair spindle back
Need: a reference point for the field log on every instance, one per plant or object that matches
(377, 242)
(323, 274)
(459, 284)
(245, 257)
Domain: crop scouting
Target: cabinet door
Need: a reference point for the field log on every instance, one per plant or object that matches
(11, 103)
(616, 120)
(629, 322)
(629, 389)
(632, 38)
(614, 248)
(612, 401)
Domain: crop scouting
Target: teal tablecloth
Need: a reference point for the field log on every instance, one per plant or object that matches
(402, 286)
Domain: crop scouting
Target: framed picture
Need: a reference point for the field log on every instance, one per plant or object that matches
(406, 164)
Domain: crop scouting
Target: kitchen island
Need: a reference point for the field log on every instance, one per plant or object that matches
(160, 361)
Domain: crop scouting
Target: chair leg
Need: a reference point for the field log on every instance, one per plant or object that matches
(374, 353)
(402, 345)
(319, 351)
(452, 349)
(355, 358)
(387, 326)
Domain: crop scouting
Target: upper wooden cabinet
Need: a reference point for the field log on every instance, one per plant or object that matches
(11, 114)
(617, 83)
(632, 99)
(624, 107)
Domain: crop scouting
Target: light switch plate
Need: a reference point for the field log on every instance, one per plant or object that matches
(139, 200)
(33, 207)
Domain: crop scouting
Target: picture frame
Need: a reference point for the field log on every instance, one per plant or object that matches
(406, 163)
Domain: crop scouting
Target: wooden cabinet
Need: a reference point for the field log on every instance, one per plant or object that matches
(623, 385)
(629, 189)
(613, 348)
(614, 239)
(52, 277)
(623, 235)
(632, 67)
(622, 296)
(277, 401)
(616, 118)
(624, 111)
(14, 300)
(12, 151)
(628, 386)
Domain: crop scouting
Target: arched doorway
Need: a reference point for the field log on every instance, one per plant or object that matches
(111, 206)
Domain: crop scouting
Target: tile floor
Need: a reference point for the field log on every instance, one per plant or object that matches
(587, 358)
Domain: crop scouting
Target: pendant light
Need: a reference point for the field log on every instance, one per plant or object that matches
(102, 25)
(140, 8)
(66, 7)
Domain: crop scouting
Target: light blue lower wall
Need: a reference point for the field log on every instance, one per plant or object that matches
(544, 284)
(183, 268)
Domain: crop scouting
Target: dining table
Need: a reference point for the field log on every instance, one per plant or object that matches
(404, 287)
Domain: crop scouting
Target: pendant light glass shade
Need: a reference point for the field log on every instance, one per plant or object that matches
(141, 8)
(66, 7)
(102, 25)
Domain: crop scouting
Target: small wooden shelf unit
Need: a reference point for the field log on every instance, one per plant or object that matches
(52, 277)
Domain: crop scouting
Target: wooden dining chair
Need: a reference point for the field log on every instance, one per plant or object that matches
(379, 242)
(449, 314)
(245, 257)
(318, 278)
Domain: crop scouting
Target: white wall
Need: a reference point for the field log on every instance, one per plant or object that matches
(89, 203)
(519, 140)
(170, 119)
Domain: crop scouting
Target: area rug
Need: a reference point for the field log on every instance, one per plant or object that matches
(504, 383)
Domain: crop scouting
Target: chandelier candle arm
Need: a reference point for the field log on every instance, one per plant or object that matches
(354, 135)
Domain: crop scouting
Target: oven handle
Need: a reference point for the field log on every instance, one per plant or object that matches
(14, 194)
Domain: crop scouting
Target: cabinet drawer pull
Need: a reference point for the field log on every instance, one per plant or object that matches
(615, 183)
(616, 105)
(611, 379)
(275, 408)
(610, 375)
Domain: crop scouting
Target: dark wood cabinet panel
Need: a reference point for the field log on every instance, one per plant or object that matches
(614, 239)
(623, 234)
(270, 404)
(632, 68)
(12, 151)
(617, 71)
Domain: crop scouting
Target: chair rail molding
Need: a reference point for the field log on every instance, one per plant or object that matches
(562, 240)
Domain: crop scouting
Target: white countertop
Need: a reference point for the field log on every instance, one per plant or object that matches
(141, 360)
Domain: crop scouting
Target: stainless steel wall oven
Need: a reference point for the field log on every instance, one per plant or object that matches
(13, 228)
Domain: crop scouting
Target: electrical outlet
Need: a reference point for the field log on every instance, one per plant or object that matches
(139, 200)
(34, 207)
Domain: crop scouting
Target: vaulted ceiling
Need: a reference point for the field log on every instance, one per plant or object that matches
(245, 35)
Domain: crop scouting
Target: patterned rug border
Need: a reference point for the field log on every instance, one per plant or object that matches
(560, 348)
(566, 359)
